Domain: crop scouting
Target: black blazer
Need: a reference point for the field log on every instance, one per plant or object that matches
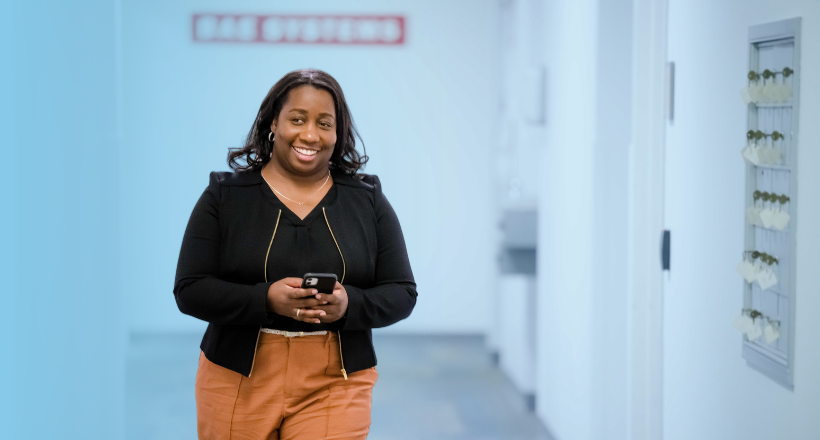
(220, 273)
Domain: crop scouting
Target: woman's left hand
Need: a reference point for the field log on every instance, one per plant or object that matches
(335, 305)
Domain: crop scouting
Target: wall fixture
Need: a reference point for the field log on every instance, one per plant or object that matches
(772, 98)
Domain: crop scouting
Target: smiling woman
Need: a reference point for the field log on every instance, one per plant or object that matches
(256, 151)
(279, 360)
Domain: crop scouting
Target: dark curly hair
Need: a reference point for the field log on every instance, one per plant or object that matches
(257, 149)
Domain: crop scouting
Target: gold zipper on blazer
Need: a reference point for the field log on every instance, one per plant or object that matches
(266, 280)
(344, 272)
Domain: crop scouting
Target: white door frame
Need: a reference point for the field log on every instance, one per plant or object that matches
(646, 192)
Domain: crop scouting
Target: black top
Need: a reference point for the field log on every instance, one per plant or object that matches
(302, 246)
(221, 270)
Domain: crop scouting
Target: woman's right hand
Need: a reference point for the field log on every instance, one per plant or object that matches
(287, 298)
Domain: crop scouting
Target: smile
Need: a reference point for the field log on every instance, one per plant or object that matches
(305, 151)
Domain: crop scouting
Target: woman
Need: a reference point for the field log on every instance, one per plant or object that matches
(279, 361)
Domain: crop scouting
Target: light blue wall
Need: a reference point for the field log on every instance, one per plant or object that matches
(7, 284)
(62, 332)
(425, 110)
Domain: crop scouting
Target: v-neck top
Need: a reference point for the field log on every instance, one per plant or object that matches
(301, 246)
(223, 278)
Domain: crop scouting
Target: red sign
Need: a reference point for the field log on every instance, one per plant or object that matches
(298, 29)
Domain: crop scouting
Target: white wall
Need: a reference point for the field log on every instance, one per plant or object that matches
(565, 353)
(519, 140)
(426, 111)
(709, 391)
(610, 219)
(582, 302)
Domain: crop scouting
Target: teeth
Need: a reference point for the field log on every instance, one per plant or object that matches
(304, 151)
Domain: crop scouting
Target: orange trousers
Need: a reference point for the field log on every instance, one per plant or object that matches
(296, 391)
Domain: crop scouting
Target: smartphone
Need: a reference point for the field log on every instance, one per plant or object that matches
(323, 282)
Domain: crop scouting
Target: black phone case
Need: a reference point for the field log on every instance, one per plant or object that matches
(326, 282)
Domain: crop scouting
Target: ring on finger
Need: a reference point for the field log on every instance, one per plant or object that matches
(298, 311)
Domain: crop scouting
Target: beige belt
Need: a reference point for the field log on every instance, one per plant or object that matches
(293, 334)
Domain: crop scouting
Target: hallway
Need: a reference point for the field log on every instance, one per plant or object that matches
(609, 210)
(430, 387)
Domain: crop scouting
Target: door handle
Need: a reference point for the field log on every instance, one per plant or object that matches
(666, 249)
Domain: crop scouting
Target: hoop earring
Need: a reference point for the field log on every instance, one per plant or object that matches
(271, 137)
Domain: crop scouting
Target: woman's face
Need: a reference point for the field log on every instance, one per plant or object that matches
(305, 131)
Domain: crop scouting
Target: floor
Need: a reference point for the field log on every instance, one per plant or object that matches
(430, 387)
